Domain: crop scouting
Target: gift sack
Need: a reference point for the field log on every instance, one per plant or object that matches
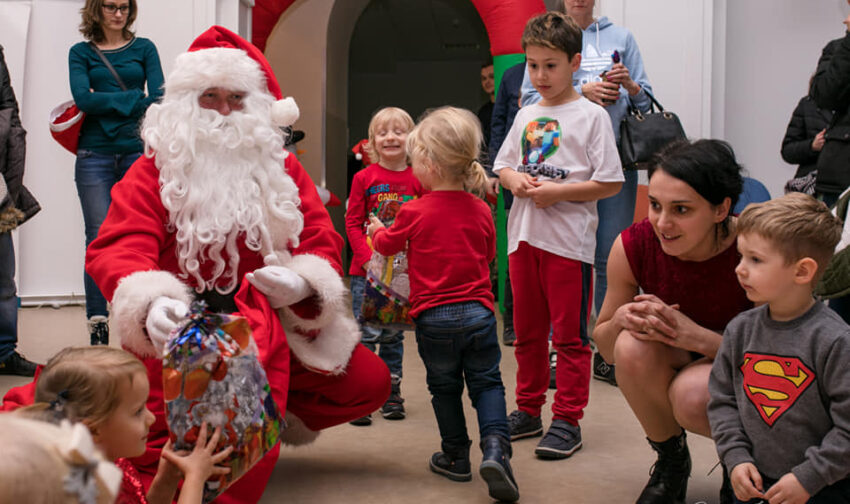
(385, 296)
(65, 122)
(211, 373)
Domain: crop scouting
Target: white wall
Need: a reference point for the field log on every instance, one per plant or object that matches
(772, 47)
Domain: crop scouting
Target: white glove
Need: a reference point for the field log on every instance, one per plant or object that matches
(163, 316)
(281, 285)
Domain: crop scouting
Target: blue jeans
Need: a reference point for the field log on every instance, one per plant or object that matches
(615, 214)
(458, 341)
(95, 174)
(8, 298)
(391, 341)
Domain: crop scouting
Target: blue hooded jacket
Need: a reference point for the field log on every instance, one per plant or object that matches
(599, 41)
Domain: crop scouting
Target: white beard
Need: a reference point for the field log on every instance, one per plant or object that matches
(222, 180)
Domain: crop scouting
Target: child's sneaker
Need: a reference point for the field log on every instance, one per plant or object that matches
(393, 409)
(523, 425)
(561, 440)
(454, 467)
(362, 421)
(602, 370)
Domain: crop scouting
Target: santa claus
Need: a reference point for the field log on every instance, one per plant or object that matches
(217, 200)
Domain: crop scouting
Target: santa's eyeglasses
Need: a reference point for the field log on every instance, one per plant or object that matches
(112, 8)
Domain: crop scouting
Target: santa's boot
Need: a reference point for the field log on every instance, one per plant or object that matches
(668, 482)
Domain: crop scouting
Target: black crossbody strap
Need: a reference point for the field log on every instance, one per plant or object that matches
(108, 65)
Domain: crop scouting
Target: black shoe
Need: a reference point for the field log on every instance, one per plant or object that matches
(98, 330)
(602, 370)
(523, 425)
(668, 482)
(561, 440)
(508, 336)
(17, 364)
(393, 409)
(362, 421)
(496, 469)
(454, 466)
(553, 367)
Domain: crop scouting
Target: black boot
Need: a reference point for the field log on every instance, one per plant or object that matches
(668, 482)
(452, 462)
(496, 468)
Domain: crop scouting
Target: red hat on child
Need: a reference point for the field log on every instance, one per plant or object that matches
(221, 58)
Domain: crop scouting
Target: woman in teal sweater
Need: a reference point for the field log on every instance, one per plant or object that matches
(109, 138)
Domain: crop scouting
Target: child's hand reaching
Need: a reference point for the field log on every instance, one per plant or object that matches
(374, 225)
(517, 182)
(746, 482)
(787, 490)
(199, 464)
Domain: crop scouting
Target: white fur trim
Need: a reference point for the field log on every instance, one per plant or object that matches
(130, 305)
(285, 112)
(296, 432)
(338, 332)
(221, 67)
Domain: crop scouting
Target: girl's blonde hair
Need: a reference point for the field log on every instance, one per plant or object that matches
(451, 139)
(387, 115)
(83, 383)
(42, 465)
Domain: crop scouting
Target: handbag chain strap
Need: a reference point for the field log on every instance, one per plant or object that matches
(108, 65)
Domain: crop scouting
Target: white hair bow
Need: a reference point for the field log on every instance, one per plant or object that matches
(89, 474)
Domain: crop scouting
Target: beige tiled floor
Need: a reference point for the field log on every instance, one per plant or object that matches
(387, 462)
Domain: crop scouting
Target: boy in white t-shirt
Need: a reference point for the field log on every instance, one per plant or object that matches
(558, 159)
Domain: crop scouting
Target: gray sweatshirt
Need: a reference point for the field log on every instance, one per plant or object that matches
(780, 396)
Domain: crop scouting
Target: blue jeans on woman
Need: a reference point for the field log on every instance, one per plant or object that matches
(391, 340)
(616, 213)
(458, 341)
(95, 174)
(8, 298)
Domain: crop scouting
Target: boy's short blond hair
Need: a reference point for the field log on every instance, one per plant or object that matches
(797, 225)
(554, 30)
(386, 115)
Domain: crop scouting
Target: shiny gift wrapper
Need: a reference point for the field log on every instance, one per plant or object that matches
(385, 295)
(211, 373)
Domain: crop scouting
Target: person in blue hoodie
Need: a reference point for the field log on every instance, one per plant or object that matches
(611, 85)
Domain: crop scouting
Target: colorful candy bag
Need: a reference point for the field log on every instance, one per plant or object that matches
(385, 296)
(211, 373)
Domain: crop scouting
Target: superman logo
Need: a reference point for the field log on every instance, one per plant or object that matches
(773, 383)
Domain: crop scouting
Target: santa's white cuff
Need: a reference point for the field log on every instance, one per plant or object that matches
(323, 343)
(131, 302)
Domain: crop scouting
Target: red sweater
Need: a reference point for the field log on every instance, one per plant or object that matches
(451, 240)
(375, 191)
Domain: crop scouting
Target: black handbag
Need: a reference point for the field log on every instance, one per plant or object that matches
(642, 134)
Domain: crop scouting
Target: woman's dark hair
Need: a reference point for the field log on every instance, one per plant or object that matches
(708, 166)
(92, 13)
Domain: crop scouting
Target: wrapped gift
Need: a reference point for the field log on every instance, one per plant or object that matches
(211, 373)
(386, 293)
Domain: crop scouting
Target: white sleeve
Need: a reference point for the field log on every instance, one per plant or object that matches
(602, 148)
(509, 154)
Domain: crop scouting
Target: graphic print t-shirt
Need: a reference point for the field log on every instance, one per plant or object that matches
(380, 192)
(564, 144)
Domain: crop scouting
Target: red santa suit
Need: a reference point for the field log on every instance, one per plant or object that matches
(317, 371)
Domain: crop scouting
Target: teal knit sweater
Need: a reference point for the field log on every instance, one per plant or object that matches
(112, 115)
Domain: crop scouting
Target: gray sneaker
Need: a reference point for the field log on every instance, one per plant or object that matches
(561, 440)
(522, 425)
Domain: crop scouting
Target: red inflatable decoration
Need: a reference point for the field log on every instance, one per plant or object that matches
(503, 19)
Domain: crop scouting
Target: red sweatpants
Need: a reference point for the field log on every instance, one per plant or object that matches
(551, 291)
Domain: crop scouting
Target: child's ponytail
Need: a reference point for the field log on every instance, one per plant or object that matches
(476, 180)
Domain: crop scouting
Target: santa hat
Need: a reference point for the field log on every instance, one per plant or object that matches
(221, 58)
